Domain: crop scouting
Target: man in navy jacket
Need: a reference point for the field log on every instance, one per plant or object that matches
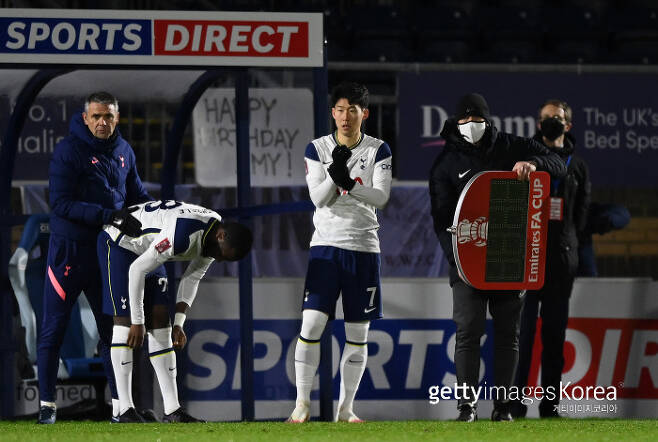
(93, 179)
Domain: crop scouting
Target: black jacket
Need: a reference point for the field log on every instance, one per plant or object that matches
(460, 160)
(575, 190)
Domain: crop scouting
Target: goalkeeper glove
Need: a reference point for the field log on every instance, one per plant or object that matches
(341, 176)
(126, 223)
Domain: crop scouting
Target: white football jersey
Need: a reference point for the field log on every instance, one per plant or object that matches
(171, 231)
(173, 228)
(348, 220)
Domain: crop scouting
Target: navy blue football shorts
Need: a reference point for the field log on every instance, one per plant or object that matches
(114, 263)
(332, 272)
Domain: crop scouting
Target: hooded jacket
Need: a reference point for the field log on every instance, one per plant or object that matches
(90, 178)
(575, 191)
(460, 160)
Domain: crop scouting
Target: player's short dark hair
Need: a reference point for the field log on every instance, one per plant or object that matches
(355, 93)
(239, 238)
(558, 103)
(102, 97)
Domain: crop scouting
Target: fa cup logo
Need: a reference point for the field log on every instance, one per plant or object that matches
(473, 231)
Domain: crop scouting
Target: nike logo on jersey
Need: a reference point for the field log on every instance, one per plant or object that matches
(172, 368)
(463, 174)
(125, 362)
(94, 160)
(326, 162)
(368, 310)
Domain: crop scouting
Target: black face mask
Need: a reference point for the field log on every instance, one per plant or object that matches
(551, 128)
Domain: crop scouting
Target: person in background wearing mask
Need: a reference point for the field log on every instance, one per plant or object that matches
(570, 197)
(474, 145)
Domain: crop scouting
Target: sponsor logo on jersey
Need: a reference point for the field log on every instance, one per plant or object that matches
(163, 245)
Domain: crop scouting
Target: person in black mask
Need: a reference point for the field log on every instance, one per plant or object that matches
(570, 198)
(474, 145)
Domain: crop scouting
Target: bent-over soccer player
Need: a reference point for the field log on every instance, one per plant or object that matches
(171, 231)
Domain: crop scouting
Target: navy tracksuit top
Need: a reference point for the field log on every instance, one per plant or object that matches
(89, 179)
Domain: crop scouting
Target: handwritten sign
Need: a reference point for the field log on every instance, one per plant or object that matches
(281, 126)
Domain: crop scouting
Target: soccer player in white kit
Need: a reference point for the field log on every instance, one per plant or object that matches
(349, 176)
(170, 231)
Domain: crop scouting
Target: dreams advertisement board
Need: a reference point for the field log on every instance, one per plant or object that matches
(615, 117)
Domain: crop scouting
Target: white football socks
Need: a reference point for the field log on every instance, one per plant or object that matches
(48, 404)
(122, 362)
(163, 359)
(307, 353)
(116, 407)
(352, 366)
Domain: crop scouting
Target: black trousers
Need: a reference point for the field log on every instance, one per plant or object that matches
(469, 313)
(554, 312)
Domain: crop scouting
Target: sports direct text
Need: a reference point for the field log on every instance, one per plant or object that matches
(161, 37)
(526, 395)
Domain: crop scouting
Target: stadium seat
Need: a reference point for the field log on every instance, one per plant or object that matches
(443, 51)
(375, 21)
(383, 49)
(441, 22)
(573, 51)
(635, 52)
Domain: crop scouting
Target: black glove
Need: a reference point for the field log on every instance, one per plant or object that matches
(341, 154)
(341, 176)
(126, 223)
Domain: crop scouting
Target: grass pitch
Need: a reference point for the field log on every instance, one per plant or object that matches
(522, 430)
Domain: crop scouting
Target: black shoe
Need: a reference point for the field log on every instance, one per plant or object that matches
(518, 410)
(501, 415)
(148, 415)
(130, 416)
(467, 413)
(180, 415)
(47, 415)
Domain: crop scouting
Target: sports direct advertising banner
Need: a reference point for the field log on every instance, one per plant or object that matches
(38, 36)
(611, 365)
(615, 117)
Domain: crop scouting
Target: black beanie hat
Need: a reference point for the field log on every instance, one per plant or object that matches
(472, 105)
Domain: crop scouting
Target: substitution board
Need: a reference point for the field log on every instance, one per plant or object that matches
(500, 229)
